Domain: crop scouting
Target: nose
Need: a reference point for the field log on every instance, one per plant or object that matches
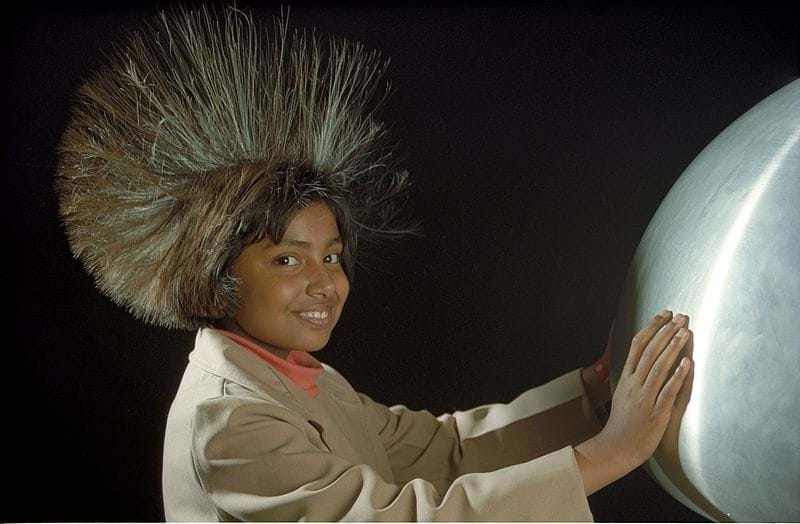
(320, 281)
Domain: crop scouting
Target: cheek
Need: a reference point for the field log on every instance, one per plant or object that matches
(280, 293)
(268, 294)
(342, 286)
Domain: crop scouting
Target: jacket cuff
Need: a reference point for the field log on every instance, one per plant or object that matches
(555, 491)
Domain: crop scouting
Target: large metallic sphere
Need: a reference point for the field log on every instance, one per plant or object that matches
(724, 248)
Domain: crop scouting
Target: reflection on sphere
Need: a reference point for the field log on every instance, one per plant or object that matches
(724, 248)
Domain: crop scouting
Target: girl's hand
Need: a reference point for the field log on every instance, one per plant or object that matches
(644, 397)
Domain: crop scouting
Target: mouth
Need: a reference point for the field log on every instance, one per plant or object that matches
(317, 318)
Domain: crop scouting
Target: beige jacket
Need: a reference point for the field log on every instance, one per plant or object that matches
(243, 442)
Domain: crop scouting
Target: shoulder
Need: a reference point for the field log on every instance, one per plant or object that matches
(207, 400)
(240, 409)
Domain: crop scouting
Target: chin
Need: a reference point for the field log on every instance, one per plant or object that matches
(316, 344)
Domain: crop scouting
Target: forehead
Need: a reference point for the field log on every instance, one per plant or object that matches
(313, 224)
(314, 219)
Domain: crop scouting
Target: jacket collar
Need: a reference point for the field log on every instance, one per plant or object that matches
(221, 356)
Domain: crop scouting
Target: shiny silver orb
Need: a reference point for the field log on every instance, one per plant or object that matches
(724, 248)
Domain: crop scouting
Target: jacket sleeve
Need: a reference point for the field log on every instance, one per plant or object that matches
(258, 467)
(485, 438)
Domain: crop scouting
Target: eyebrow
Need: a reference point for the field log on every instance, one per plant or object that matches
(295, 242)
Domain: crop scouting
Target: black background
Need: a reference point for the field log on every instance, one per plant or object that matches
(541, 139)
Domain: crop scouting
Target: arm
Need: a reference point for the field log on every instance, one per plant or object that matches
(255, 466)
(485, 438)
(600, 463)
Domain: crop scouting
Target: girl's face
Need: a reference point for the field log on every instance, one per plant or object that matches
(284, 286)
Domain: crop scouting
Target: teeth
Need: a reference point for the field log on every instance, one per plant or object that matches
(315, 314)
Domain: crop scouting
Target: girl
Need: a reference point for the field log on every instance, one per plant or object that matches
(215, 181)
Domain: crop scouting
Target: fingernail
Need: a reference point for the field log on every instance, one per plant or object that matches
(665, 314)
(685, 362)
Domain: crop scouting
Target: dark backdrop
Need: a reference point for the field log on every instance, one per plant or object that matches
(541, 140)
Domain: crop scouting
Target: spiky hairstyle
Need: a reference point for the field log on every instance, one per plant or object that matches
(205, 133)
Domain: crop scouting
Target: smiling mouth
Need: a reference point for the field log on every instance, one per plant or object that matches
(316, 318)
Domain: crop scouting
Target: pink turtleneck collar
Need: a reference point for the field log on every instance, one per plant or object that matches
(299, 366)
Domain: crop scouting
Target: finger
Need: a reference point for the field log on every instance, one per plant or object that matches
(642, 338)
(666, 398)
(656, 346)
(660, 370)
(685, 394)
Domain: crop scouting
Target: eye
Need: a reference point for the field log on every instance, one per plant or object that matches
(280, 260)
(337, 257)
